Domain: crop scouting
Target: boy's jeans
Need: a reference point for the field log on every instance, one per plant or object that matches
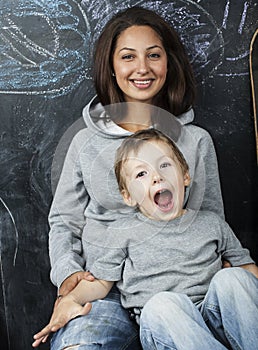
(107, 326)
(229, 313)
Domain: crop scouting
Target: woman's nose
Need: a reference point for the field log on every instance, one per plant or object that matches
(142, 66)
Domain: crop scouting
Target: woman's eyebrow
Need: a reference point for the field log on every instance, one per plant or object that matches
(148, 48)
(127, 49)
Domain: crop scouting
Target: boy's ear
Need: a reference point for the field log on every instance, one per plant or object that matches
(187, 179)
(127, 198)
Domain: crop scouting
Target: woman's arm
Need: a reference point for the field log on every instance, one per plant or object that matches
(66, 218)
(76, 303)
(205, 192)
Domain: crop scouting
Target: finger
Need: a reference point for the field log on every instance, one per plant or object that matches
(86, 309)
(66, 289)
(37, 342)
(51, 327)
(44, 332)
(88, 276)
(45, 339)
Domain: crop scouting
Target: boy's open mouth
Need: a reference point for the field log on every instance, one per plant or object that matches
(164, 199)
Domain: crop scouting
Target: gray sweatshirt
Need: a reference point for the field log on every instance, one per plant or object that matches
(147, 256)
(87, 187)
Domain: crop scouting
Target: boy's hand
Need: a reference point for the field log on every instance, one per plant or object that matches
(71, 282)
(65, 310)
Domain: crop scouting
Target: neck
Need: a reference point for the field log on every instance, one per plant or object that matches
(138, 117)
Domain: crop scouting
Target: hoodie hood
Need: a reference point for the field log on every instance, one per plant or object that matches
(96, 118)
(187, 117)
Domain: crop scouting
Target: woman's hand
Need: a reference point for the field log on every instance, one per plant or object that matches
(66, 308)
(226, 264)
(71, 282)
(57, 320)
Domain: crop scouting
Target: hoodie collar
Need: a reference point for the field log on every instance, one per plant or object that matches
(94, 117)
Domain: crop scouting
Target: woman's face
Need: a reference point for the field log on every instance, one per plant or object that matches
(140, 64)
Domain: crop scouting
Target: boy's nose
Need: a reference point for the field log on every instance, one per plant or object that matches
(157, 178)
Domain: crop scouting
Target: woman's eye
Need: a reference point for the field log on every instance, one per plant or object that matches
(154, 55)
(165, 165)
(141, 174)
(127, 57)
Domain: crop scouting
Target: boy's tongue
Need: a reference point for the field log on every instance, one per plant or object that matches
(163, 198)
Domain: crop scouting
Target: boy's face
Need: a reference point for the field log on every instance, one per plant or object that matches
(155, 181)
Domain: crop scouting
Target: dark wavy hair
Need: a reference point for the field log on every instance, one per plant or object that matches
(178, 93)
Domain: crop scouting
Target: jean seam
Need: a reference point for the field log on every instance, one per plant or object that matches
(134, 337)
(232, 340)
(215, 309)
(146, 330)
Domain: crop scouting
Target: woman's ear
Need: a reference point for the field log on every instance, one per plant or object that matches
(127, 198)
(187, 179)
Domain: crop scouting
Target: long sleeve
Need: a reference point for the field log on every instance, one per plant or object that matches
(205, 191)
(198, 149)
(106, 249)
(66, 219)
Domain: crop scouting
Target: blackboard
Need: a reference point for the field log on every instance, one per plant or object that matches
(45, 80)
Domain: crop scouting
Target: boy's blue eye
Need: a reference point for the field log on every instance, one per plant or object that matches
(140, 174)
(165, 165)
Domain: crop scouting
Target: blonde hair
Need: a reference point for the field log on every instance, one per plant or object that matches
(134, 142)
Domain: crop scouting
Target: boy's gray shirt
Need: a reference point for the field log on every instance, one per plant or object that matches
(87, 187)
(147, 257)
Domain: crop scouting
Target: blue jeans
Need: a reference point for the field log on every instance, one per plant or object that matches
(226, 319)
(107, 326)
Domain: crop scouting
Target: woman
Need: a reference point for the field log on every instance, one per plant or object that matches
(142, 75)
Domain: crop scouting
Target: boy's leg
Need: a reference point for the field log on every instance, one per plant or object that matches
(171, 321)
(230, 308)
(107, 326)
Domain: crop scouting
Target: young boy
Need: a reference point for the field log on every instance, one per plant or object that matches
(166, 260)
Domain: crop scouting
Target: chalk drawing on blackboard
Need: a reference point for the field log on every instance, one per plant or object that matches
(199, 32)
(216, 47)
(4, 301)
(43, 47)
(236, 33)
(4, 244)
(15, 230)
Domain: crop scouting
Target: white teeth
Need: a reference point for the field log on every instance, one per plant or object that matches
(143, 82)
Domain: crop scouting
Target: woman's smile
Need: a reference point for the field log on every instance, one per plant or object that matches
(140, 64)
(142, 84)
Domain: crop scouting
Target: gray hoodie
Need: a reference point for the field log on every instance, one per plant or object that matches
(87, 186)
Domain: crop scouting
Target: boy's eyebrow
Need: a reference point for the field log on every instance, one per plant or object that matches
(147, 49)
(130, 170)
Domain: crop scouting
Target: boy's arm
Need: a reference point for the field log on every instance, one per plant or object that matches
(251, 268)
(87, 291)
(74, 304)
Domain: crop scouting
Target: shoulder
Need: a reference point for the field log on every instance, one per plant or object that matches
(211, 220)
(208, 215)
(200, 218)
(186, 120)
(196, 132)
